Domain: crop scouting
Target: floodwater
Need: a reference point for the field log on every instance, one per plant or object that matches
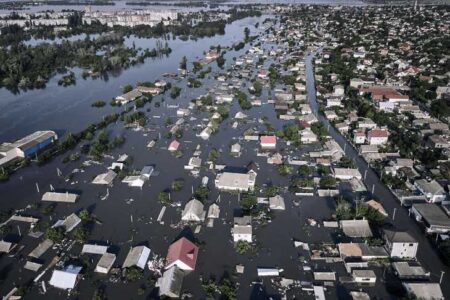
(129, 215)
(121, 5)
(61, 109)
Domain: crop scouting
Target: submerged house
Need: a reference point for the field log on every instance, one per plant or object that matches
(183, 254)
(67, 278)
(236, 180)
(171, 282)
(193, 211)
(137, 256)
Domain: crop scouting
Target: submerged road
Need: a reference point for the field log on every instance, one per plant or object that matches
(427, 254)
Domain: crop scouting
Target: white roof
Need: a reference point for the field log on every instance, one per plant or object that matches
(94, 249)
(60, 197)
(105, 178)
(65, 279)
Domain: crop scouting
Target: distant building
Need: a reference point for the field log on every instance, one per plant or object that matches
(174, 145)
(128, 97)
(26, 146)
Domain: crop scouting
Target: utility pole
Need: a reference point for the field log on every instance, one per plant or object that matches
(393, 214)
(442, 277)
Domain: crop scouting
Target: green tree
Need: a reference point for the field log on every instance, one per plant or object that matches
(242, 247)
(55, 234)
(327, 181)
(127, 88)
(248, 202)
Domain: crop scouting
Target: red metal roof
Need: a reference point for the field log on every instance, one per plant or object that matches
(182, 250)
(378, 133)
(268, 139)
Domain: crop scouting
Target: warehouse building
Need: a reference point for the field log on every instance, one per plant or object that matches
(26, 146)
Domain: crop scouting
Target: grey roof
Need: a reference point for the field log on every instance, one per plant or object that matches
(359, 295)
(71, 222)
(106, 261)
(94, 249)
(424, 291)
(6, 247)
(277, 202)
(171, 282)
(356, 228)
(60, 197)
(105, 178)
(193, 211)
(409, 270)
(41, 248)
(432, 214)
(376, 251)
(33, 139)
(245, 220)
(137, 257)
(399, 236)
(432, 187)
(325, 275)
(32, 266)
(364, 273)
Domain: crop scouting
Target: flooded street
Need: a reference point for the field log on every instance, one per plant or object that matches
(265, 90)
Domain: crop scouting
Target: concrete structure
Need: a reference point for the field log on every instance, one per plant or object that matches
(432, 216)
(364, 276)
(242, 229)
(400, 244)
(377, 137)
(424, 291)
(26, 146)
(410, 270)
(231, 181)
(431, 189)
(346, 173)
